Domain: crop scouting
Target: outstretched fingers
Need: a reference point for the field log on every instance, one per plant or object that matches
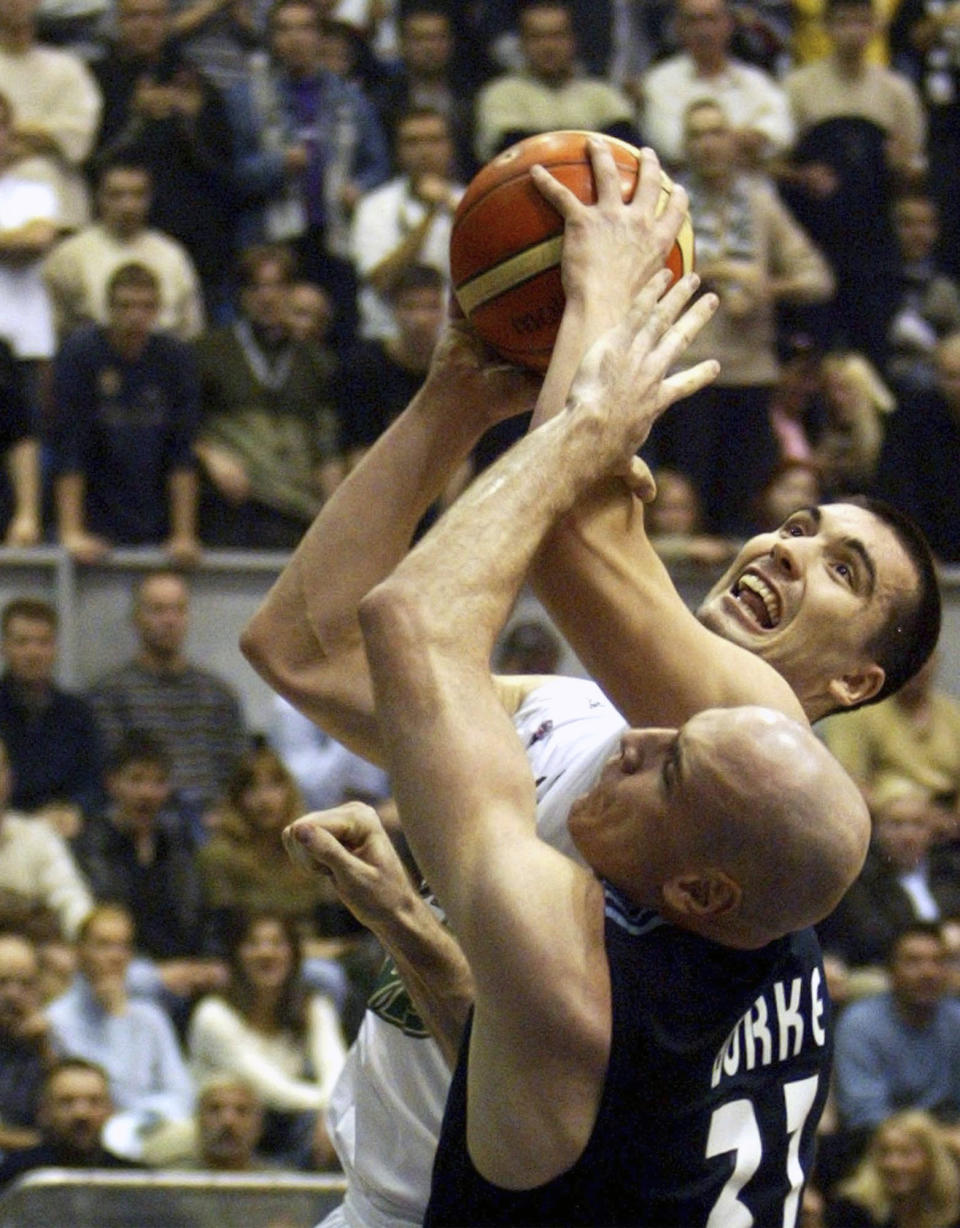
(647, 192)
(606, 176)
(554, 192)
(684, 383)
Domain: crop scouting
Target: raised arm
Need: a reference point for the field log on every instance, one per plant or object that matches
(351, 845)
(603, 583)
(305, 639)
(462, 783)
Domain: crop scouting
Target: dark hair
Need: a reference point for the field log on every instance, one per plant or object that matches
(253, 258)
(912, 627)
(6, 109)
(139, 746)
(416, 277)
(529, 647)
(915, 929)
(34, 608)
(423, 112)
(291, 1007)
(134, 275)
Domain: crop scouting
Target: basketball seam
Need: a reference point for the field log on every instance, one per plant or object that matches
(509, 273)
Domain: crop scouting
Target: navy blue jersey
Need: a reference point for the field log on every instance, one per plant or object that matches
(718, 1073)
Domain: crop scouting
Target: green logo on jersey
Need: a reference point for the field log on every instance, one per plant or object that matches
(391, 1002)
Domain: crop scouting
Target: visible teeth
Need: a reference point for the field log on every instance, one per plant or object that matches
(760, 588)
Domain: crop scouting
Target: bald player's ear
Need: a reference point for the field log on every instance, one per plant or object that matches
(858, 687)
(706, 893)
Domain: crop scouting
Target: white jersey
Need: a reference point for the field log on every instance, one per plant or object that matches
(386, 1109)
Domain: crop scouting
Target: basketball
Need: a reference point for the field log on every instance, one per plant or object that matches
(506, 241)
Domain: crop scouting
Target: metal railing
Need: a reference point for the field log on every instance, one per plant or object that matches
(108, 1198)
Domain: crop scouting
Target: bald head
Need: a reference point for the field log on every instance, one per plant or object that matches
(740, 825)
(776, 812)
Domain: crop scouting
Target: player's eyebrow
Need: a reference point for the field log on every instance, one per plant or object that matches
(856, 546)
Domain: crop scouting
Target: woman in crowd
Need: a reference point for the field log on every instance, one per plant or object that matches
(286, 1041)
(243, 866)
(907, 1179)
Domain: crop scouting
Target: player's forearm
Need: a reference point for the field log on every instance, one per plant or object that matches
(433, 969)
(464, 576)
(305, 639)
(582, 323)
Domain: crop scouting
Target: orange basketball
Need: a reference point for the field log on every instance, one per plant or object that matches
(506, 241)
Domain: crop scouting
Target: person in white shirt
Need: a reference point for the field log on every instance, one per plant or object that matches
(77, 270)
(407, 220)
(754, 103)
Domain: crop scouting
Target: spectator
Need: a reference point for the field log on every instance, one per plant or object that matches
(845, 83)
(137, 854)
(35, 863)
(125, 416)
(219, 38)
(919, 468)
(901, 1049)
(856, 403)
(860, 130)
(705, 69)
(908, 1177)
(529, 647)
(74, 1109)
(309, 313)
(79, 268)
(25, 1051)
(229, 1126)
(162, 113)
(326, 773)
(20, 517)
(406, 221)
(548, 92)
(929, 303)
(268, 442)
(268, 1029)
(914, 735)
(791, 485)
(29, 222)
(50, 734)
(308, 145)
(923, 39)
(244, 867)
(754, 255)
(909, 875)
(380, 377)
(133, 1040)
(426, 78)
(192, 713)
(796, 405)
(674, 522)
(56, 107)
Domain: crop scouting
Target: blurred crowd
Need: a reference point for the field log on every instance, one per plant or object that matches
(224, 233)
